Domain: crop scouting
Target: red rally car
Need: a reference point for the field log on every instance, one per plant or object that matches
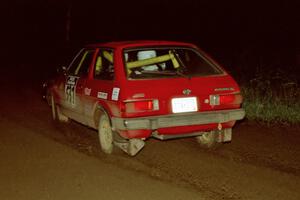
(130, 91)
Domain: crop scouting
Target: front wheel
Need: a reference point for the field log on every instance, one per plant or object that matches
(105, 134)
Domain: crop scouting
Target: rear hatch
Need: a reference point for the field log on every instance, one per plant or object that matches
(180, 95)
(165, 80)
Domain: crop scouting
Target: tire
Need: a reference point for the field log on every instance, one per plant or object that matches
(56, 114)
(207, 139)
(105, 134)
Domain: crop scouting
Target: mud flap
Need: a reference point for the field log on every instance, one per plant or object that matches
(131, 146)
(224, 135)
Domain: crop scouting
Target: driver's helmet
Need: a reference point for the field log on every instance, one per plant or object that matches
(142, 55)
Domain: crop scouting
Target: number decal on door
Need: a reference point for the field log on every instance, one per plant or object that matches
(70, 89)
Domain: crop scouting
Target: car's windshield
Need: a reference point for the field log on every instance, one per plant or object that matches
(167, 62)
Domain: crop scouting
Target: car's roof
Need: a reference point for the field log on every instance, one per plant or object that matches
(139, 43)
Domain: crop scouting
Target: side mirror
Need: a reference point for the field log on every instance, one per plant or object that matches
(62, 70)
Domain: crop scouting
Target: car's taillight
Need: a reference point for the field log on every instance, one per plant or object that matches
(141, 106)
(223, 99)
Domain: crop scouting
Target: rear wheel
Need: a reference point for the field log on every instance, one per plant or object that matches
(207, 139)
(105, 134)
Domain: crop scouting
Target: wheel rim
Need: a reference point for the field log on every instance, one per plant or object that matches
(105, 135)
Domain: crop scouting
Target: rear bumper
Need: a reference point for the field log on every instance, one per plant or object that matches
(187, 119)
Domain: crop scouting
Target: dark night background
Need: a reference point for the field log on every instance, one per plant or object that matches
(244, 36)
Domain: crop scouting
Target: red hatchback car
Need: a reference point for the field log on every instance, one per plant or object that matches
(130, 91)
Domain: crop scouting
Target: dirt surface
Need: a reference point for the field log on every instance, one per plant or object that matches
(41, 159)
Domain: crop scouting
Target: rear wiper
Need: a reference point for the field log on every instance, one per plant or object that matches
(171, 73)
(178, 72)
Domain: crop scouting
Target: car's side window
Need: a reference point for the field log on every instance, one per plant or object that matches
(75, 62)
(81, 63)
(104, 66)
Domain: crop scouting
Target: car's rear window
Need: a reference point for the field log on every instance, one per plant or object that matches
(165, 62)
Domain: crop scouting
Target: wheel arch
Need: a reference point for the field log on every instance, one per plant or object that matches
(99, 110)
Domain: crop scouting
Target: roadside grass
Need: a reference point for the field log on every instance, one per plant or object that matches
(272, 98)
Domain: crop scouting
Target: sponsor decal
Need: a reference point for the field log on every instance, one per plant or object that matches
(224, 89)
(115, 94)
(70, 89)
(138, 95)
(102, 95)
(71, 80)
(87, 91)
